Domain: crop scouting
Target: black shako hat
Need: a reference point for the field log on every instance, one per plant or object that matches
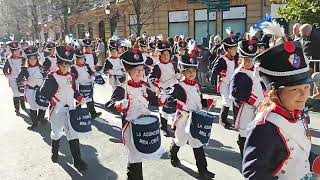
(163, 46)
(142, 42)
(31, 51)
(64, 54)
(283, 65)
(14, 45)
(182, 45)
(50, 45)
(229, 42)
(131, 59)
(187, 62)
(87, 42)
(112, 44)
(248, 48)
(79, 53)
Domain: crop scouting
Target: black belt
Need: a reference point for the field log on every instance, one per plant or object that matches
(66, 105)
(34, 88)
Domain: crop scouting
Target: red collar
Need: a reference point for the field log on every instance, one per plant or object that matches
(88, 52)
(80, 65)
(135, 84)
(61, 73)
(291, 116)
(165, 62)
(15, 57)
(53, 56)
(33, 65)
(190, 82)
(228, 57)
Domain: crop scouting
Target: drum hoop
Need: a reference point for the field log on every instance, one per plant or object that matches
(144, 116)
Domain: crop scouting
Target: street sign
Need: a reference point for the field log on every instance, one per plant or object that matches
(218, 5)
(214, 5)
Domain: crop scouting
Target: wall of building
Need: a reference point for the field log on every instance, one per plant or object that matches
(170, 17)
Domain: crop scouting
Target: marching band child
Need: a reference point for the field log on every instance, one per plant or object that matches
(246, 90)
(90, 56)
(11, 70)
(163, 75)
(84, 76)
(114, 66)
(182, 48)
(33, 74)
(187, 97)
(50, 62)
(224, 66)
(60, 89)
(131, 99)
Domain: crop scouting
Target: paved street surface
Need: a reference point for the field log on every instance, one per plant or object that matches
(26, 154)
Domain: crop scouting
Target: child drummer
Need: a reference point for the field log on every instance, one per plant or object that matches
(84, 77)
(113, 66)
(187, 97)
(32, 73)
(132, 99)
(60, 89)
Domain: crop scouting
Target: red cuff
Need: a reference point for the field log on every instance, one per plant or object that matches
(252, 100)
(210, 102)
(53, 103)
(119, 108)
(79, 98)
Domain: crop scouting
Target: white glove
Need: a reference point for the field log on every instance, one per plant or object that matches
(93, 78)
(125, 103)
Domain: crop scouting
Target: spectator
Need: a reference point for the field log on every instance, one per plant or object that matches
(203, 65)
(101, 53)
(296, 32)
(310, 40)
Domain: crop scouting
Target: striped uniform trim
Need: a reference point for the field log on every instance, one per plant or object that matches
(288, 73)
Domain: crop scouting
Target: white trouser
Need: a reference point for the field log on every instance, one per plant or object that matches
(224, 92)
(14, 88)
(30, 96)
(181, 137)
(59, 117)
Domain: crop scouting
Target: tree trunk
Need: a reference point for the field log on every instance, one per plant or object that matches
(138, 13)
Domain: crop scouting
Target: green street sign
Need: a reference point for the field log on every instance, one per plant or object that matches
(214, 5)
(218, 5)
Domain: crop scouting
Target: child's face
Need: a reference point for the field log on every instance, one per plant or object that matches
(80, 61)
(233, 51)
(64, 67)
(89, 49)
(137, 73)
(190, 74)
(182, 52)
(16, 53)
(121, 50)
(114, 53)
(165, 56)
(144, 49)
(33, 60)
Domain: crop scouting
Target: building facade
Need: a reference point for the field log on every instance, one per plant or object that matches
(173, 17)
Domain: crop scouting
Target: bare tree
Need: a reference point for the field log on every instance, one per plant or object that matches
(142, 11)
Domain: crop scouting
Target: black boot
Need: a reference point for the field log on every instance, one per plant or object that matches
(164, 127)
(34, 119)
(16, 105)
(55, 150)
(79, 164)
(92, 110)
(41, 114)
(223, 120)
(134, 171)
(22, 103)
(173, 153)
(201, 163)
(240, 142)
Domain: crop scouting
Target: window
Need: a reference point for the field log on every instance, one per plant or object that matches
(90, 29)
(200, 23)
(81, 31)
(178, 23)
(236, 19)
(133, 24)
